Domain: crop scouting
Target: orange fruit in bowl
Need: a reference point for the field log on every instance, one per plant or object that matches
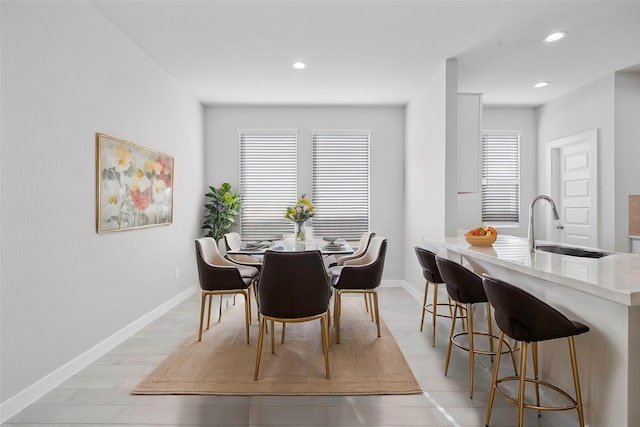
(481, 236)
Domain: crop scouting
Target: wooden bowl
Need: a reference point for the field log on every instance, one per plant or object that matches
(486, 240)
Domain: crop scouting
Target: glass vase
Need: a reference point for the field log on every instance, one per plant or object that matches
(300, 236)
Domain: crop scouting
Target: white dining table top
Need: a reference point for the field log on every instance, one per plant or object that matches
(344, 249)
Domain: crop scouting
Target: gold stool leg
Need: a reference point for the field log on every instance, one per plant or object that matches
(453, 327)
(523, 374)
(471, 352)
(434, 314)
(424, 303)
(490, 329)
(494, 380)
(576, 380)
(534, 354)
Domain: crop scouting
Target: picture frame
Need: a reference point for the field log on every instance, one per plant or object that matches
(134, 186)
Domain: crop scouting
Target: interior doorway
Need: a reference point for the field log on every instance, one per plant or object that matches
(572, 182)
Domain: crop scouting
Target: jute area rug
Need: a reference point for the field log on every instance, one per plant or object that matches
(222, 363)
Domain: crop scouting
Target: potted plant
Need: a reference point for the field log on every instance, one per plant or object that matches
(222, 206)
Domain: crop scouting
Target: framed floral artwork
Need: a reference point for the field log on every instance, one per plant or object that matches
(134, 186)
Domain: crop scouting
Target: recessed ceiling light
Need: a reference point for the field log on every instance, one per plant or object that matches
(299, 65)
(554, 37)
(541, 84)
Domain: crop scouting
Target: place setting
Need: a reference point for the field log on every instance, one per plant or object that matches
(333, 243)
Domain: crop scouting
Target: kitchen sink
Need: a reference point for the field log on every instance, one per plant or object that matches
(572, 251)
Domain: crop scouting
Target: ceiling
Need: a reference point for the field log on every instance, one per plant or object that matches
(378, 52)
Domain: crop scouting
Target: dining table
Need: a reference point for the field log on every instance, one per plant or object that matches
(324, 247)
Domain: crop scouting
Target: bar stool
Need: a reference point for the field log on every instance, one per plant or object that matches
(427, 260)
(526, 319)
(465, 289)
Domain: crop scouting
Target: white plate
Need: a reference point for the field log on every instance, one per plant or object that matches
(333, 247)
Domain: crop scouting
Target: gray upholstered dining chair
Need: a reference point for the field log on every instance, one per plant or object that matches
(219, 276)
(293, 287)
(233, 242)
(365, 239)
(360, 275)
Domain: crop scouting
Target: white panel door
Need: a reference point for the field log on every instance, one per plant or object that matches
(574, 188)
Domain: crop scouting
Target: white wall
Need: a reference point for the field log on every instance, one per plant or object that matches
(387, 141)
(67, 73)
(627, 152)
(425, 170)
(587, 108)
(507, 118)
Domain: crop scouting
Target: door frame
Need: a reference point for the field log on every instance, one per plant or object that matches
(552, 183)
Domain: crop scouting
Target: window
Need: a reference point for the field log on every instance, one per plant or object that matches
(501, 177)
(341, 183)
(268, 161)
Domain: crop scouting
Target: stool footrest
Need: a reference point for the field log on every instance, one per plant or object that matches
(475, 350)
(507, 397)
(429, 309)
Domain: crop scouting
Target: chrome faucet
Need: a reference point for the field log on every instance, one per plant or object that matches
(532, 239)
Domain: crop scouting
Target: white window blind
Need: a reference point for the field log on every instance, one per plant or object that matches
(501, 177)
(341, 183)
(268, 174)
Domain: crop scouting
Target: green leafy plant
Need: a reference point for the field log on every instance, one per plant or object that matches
(222, 206)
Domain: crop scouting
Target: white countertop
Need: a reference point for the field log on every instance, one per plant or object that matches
(614, 277)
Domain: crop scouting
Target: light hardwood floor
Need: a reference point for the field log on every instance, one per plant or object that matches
(99, 394)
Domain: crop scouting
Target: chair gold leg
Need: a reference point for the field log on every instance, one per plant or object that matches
(259, 350)
(434, 314)
(494, 380)
(273, 334)
(202, 304)
(523, 374)
(576, 380)
(247, 313)
(424, 303)
(375, 304)
(284, 328)
(370, 305)
(336, 316)
(220, 309)
(534, 354)
(453, 327)
(471, 353)
(324, 328)
(366, 303)
(248, 300)
(209, 312)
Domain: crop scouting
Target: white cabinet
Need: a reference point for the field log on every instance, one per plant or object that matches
(469, 141)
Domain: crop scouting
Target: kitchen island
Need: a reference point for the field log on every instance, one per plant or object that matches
(603, 293)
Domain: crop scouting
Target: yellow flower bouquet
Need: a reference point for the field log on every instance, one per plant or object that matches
(300, 213)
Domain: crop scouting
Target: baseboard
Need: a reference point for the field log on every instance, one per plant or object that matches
(18, 402)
